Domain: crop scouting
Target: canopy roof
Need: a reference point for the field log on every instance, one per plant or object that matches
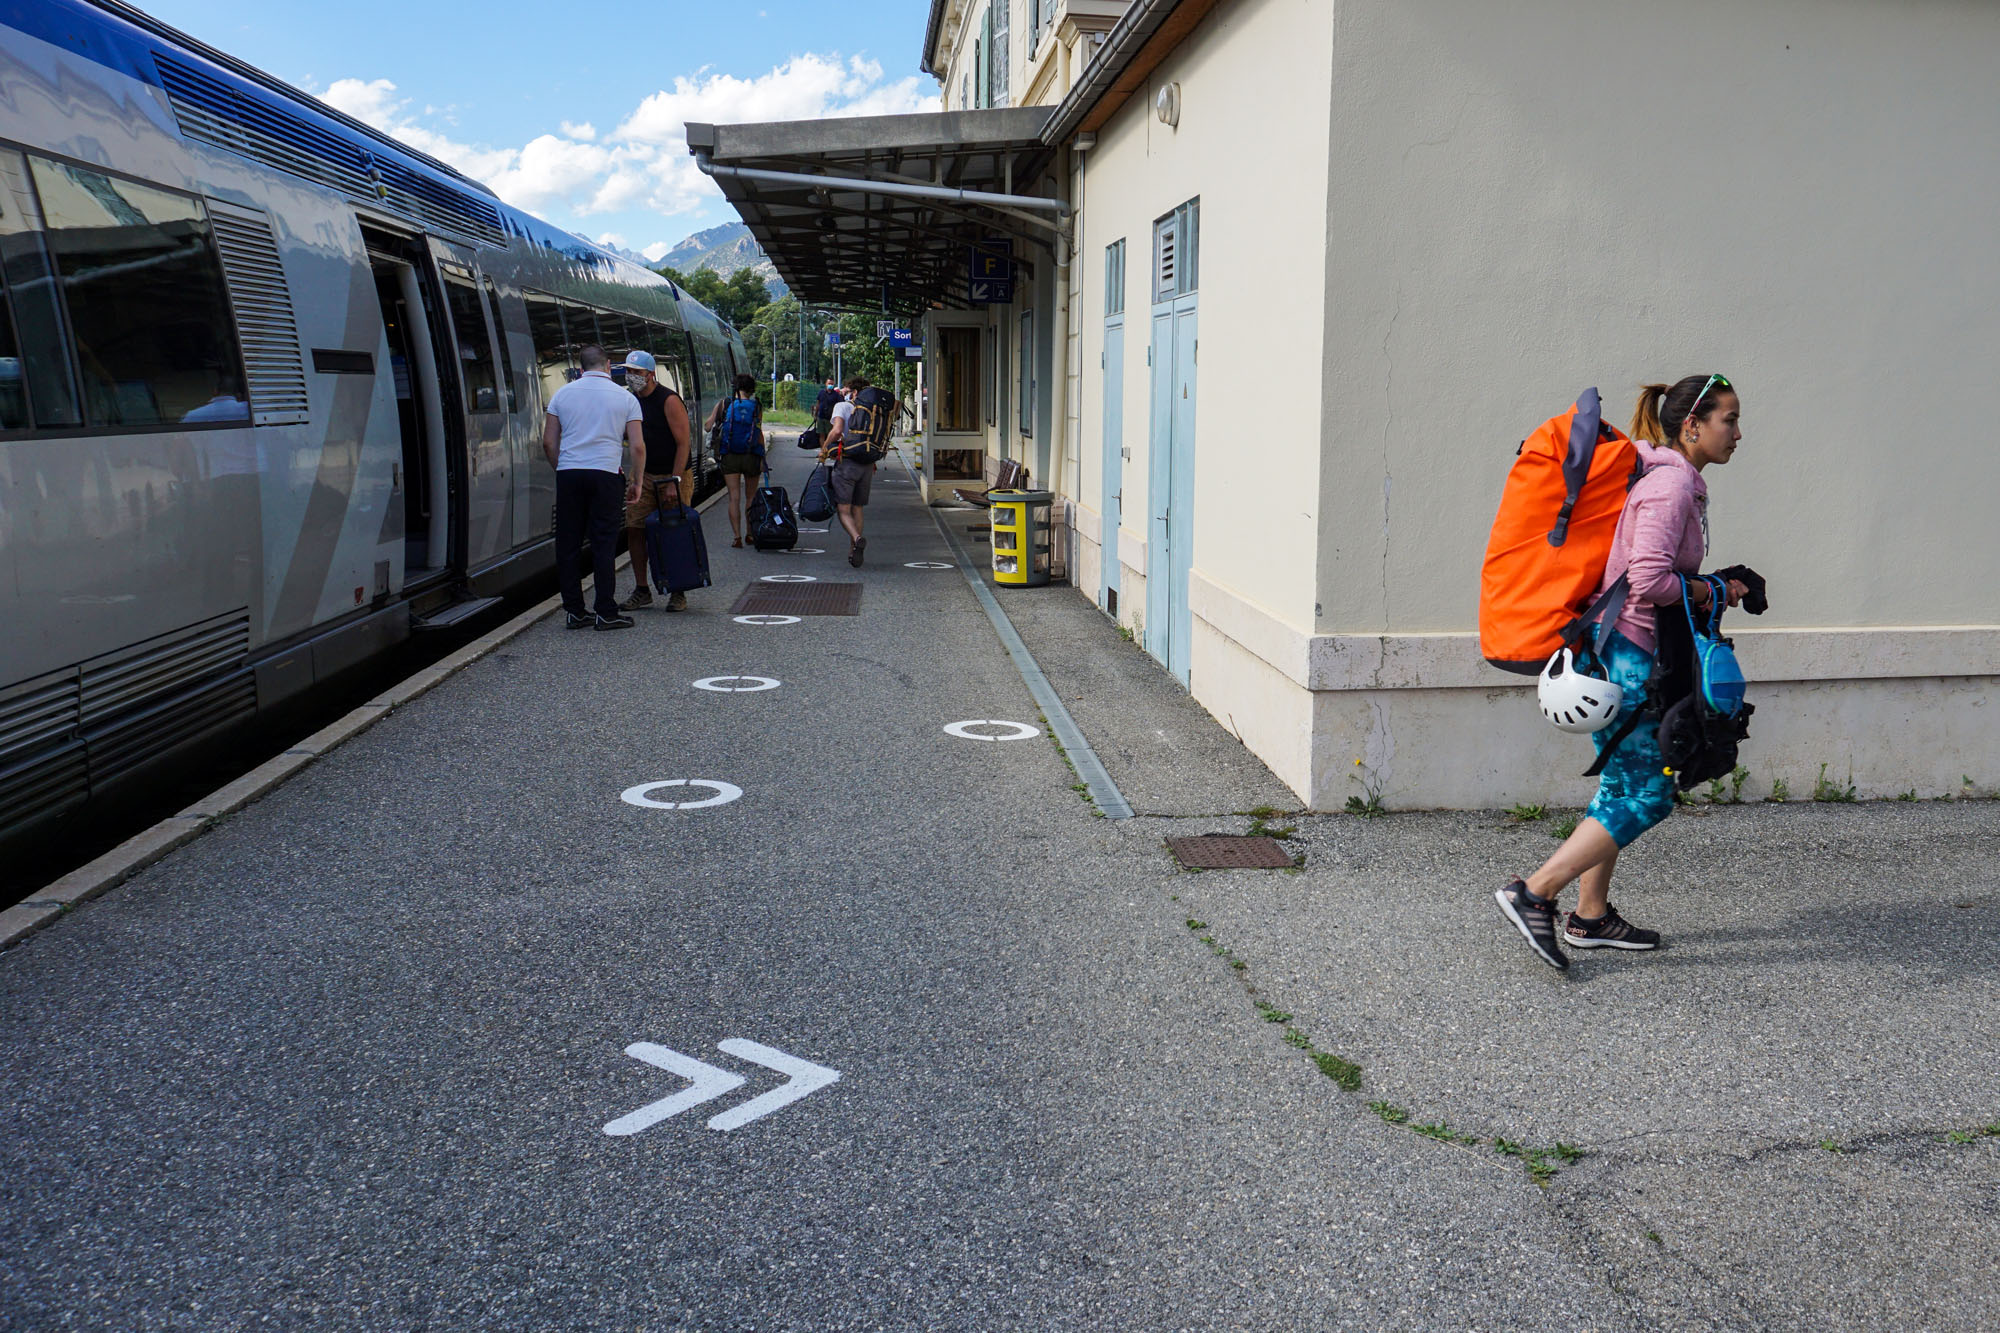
(836, 242)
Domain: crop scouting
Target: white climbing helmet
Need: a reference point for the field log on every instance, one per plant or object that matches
(1572, 701)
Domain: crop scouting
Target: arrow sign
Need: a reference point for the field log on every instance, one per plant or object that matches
(706, 1083)
(805, 1077)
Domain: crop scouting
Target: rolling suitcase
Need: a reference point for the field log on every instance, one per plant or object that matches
(773, 526)
(676, 551)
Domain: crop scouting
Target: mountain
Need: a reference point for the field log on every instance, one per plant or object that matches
(723, 250)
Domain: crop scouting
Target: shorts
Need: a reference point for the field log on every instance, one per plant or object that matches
(851, 482)
(740, 465)
(655, 486)
(1636, 792)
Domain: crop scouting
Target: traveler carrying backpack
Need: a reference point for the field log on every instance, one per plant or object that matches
(816, 500)
(865, 438)
(1552, 538)
(676, 551)
(773, 527)
(738, 428)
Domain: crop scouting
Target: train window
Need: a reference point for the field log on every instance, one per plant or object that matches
(582, 326)
(31, 288)
(147, 308)
(661, 342)
(13, 389)
(475, 354)
(552, 349)
(506, 352)
(617, 341)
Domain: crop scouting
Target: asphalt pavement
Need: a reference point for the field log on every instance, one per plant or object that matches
(347, 1059)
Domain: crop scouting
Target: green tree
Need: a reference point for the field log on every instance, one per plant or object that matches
(737, 299)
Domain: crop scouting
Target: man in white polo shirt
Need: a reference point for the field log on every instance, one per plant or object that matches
(589, 419)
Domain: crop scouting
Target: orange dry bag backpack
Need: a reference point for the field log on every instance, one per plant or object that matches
(1552, 538)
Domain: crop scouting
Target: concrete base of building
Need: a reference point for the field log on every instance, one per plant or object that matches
(1422, 723)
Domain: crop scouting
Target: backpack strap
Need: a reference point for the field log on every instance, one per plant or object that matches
(1584, 430)
(1602, 613)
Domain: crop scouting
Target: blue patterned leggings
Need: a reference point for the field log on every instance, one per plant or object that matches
(1636, 791)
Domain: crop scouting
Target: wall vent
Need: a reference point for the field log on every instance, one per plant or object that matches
(42, 786)
(271, 355)
(213, 112)
(122, 745)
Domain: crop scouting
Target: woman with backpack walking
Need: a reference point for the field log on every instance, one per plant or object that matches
(1661, 539)
(737, 428)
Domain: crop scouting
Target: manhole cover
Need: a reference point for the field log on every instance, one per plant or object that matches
(1219, 851)
(799, 599)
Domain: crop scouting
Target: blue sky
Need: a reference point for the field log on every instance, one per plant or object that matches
(580, 122)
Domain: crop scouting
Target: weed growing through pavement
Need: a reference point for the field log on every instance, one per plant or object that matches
(1262, 812)
(1831, 1146)
(1780, 793)
(1825, 790)
(1909, 795)
(1125, 633)
(1654, 1236)
(1729, 790)
(1369, 804)
(1562, 828)
(1541, 1164)
(1528, 814)
(1991, 1131)
(1259, 829)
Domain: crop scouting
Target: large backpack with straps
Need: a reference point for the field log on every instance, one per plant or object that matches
(865, 438)
(1551, 539)
(737, 431)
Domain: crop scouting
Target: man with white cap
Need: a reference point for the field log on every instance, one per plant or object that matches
(664, 419)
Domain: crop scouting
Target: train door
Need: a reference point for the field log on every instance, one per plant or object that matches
(429, 477)
(481, 408)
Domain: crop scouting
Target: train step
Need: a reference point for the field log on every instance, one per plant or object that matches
(453, 614)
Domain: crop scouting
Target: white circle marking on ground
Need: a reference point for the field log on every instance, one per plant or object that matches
(788, 578)
(735, 684)
(812, 529)
(926, 564)
(1022, 731)
(766, 620)
(806, 550)
(725, 792)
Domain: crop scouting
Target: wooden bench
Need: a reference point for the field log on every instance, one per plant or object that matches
(1013, 476)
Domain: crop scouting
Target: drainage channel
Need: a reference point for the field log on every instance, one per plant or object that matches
(1104, 792)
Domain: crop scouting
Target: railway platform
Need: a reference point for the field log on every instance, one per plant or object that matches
(738, 972)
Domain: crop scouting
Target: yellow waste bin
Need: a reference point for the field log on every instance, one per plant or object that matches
(1021, 537)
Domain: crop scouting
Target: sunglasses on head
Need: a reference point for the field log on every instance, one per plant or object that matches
(1713, 381)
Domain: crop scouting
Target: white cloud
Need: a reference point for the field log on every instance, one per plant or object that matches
(643, 164)
(615, 240)
(656, 251)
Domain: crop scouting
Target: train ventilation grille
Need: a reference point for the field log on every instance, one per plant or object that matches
(213, 112)
(37, 712)
(131, 676)
(271, 355)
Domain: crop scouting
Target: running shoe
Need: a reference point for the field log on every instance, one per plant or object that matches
(576, 621)
(1610, 931)
(1535, 918)
(640, 597)
(619, 621)
(677, 602)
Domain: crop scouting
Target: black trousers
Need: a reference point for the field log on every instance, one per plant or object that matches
(588, 503)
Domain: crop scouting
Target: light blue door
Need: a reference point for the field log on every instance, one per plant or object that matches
(1114, 456)
(1160, 487)
(1180, 548)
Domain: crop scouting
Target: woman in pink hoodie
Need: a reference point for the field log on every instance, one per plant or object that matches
(1662, 537)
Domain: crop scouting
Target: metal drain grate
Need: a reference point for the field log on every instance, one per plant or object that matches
(799, 599)
(1224, 851)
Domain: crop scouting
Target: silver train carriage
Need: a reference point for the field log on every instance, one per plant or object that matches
(271, 391)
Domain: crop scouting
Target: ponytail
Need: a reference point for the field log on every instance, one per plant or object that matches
(1646, 415)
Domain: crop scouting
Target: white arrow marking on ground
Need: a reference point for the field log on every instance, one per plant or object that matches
(806, 1079)
(705, 1083)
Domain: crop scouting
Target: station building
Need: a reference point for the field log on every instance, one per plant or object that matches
(1290, 280)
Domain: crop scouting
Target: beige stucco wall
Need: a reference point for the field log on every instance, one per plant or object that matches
(1797, 193)
(1258, 167)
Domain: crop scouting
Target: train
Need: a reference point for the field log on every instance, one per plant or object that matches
(271, 393)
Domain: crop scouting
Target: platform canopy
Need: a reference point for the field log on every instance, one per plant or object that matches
(804, 191)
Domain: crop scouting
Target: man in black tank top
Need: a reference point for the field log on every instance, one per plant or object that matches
(664, 420)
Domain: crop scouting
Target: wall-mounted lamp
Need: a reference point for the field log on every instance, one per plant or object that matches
(1167, 105)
